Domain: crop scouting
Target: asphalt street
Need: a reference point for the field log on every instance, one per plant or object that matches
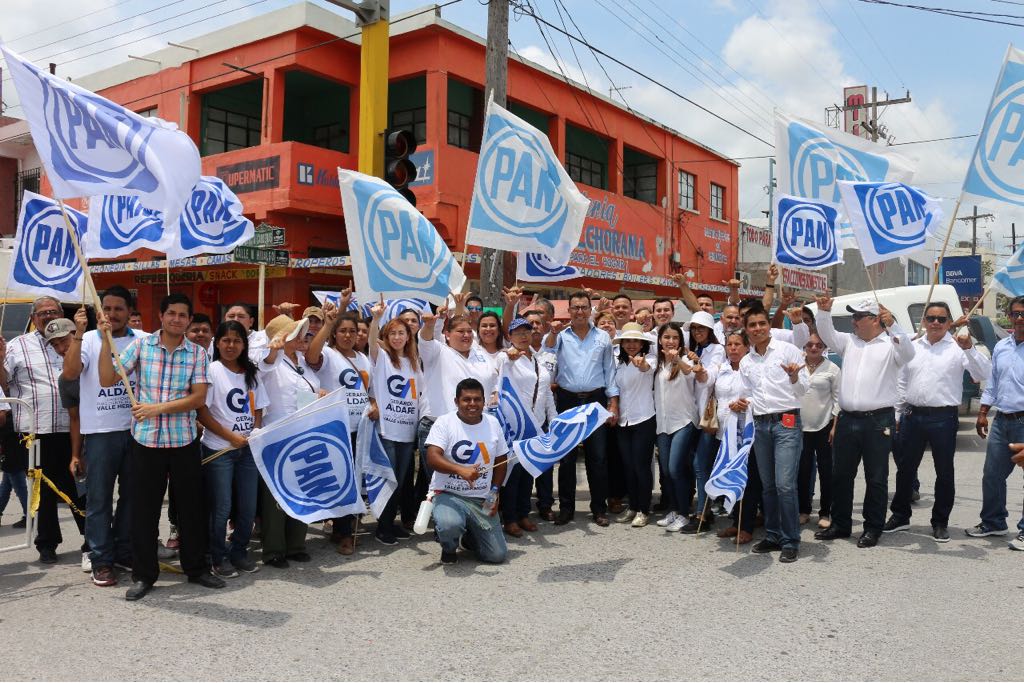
(572, 602)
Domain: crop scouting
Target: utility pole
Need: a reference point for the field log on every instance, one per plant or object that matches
(974, 218)
(496, 267)
(834, 114)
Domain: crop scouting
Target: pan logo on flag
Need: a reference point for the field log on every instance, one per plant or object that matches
(1001, 145)
(212, 216)
(402, 243)
(806, 233)
(302, 468)
(46, 255)
(896, 217)
(519, 194)
(71, 119)
(564, 430)
(816, 164)
(125, 221)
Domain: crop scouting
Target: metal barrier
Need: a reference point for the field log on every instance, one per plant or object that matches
(33, 463)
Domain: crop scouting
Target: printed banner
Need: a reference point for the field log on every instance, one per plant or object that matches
(43, 262)
(889, 219)
(395, 248)
(729, 475)
(805, 233)
(566, 431)
(91, 146)
(523, 199)
(532, 267)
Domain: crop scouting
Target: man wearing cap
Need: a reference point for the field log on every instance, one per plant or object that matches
(172, 383)
(930, 387)
(30, 370)
(315, 316)
(873, 357)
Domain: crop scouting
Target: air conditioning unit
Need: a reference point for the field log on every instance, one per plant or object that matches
(744, 280)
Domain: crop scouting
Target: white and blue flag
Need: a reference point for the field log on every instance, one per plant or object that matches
(728, 477)
(373, 465)
(91, 146)
(811, 159)
(805, 233)
(997, 169)
(516, 419)
(306, 461)
(523, 199)
(566, 432)
(43, 262)
(395, 250)
(334, 298)
(534, 267)
(889, 219)
(1010, 278)
(396, 307)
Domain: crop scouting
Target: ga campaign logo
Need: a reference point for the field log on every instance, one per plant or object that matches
(399, 387)
(467, 452)
(995, 171)
(349, 378)
(806, 233)
(896, 215)
(46, 256)
(113, 141)
(213, 216)
(310, 470)
(239, 401)
(123, 221)
(518, 185)
(816, 163)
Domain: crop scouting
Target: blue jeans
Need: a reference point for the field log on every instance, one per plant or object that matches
(17, 482)
(998, 467)
(917, 430)
(674, 452)
(234, 470)
(400, 454)
(108, 532)
(457, 515)
(703, 462)
(422, 432)
(777, 449)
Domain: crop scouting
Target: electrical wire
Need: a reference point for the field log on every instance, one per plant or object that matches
(959, 14)
(100, 28)
(67, 21)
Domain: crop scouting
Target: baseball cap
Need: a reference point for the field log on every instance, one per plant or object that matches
(314, 312)
(517, 323)
(869, 306)
(55, 329)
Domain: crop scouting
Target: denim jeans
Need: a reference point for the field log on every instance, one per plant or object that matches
(674, 453)
(457, 515)
(703, 462)
(595, 451)
(867, 438)
(998, 467)
(108, 532)
(545, 484)
(235, 470)
(636, 446)
(400, 454)
(17, 482)
(777, 449)
(917, 430)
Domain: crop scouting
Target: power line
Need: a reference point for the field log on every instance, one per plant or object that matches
(99, 28)
(959, 14)
(67, 21)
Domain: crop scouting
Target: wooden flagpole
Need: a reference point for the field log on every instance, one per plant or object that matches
(167, 264)
(938, 263)
(262, 296)
(739, 525)
(981, 299)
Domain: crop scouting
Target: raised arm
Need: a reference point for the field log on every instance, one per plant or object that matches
(769, 287)
(689, 299)
(833, 339)
(73, 358)
(315, 352)
(373, 337)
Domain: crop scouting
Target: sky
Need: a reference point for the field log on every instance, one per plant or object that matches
(741, 59)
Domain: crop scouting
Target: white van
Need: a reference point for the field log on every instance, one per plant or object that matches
(906, 304)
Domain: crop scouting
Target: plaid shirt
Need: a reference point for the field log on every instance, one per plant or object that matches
(165, 376)
(32, 370)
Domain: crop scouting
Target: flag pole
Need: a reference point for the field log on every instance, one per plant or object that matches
(980, 300)
(739, 525)
(87, 276)
(167, 265)
(942, 254)
(704, 512)
(262, 296)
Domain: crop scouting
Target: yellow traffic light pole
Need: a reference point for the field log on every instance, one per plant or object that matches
(373, 97)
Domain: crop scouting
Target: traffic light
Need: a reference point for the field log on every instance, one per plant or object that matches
(399, 170)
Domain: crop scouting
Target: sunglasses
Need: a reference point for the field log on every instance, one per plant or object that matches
(474, 308)
(936, 318)
(1014, 315)
(814, 345)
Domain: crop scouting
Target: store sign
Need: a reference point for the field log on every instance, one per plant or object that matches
(964, 273)
(250, 176)
(602, 244)
(188, 276)
(754, 235)
(803, 280)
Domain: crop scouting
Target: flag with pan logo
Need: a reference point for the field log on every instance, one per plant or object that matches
(565, 432)
(889, 219)
(805, 233)
(373, 465)
(43, 262)
(516, 419)
(533, 267)
(729, 475)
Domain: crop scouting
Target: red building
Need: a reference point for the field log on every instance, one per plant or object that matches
(272, 104)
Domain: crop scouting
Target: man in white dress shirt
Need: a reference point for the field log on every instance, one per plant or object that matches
(872, 360)
(930, 388)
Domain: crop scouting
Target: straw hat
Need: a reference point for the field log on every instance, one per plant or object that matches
(292, 329)
(631, 331)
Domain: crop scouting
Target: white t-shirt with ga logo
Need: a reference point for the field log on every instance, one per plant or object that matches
(396, 390)
(104, 409)
(231, 403)
(466, 444)
(351, 374)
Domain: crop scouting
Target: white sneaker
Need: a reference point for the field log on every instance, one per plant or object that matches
(640, 520)
(626, 517)
(678, 524)
(1017, 543)
(86, 563)
(667, 519)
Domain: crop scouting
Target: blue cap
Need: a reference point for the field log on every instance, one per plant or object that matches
(517, 323)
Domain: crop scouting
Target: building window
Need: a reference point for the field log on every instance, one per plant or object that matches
(917, 274)
(717, 202)
(228, 130)
(584, 170)
(458, 129)
(331, 136)
(687, 183)
(24, 181)
(147, 113)
(412, 120)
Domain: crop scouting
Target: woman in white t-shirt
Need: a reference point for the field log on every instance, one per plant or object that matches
(634, 375)
(728, 389)
(332, 355)
(234, 407)
(396, 383)
(491, 338)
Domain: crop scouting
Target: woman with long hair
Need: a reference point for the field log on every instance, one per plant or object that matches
(490, 336)
(234, 407)
(634, 375)
(818, 410)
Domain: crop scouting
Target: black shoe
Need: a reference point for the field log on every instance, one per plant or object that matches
(449, 557)
(601, 520)
(564, 517)
(276, 561)
(138, 591)
(940, 534)
(301, 556)
(830, 534)
(868, 539)
(691, 526)
(659, 507)
(894, 523)
(788, 555)
(48, 556)
(915, 496)
(385, 538)
(468, 543)
(765, 546)
(208, 580)
(20, 524)
(399, 533)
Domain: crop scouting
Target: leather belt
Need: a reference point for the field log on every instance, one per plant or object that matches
(931, 410)
(1013, 416)
(867, 413)
(776, 417)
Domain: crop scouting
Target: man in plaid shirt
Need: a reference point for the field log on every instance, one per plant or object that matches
(172, 384)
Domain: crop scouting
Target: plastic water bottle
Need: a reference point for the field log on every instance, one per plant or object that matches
(490, 501)
(423, 516)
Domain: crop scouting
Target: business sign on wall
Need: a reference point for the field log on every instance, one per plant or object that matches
(853, 119)
(250, 176)
(964, 273)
